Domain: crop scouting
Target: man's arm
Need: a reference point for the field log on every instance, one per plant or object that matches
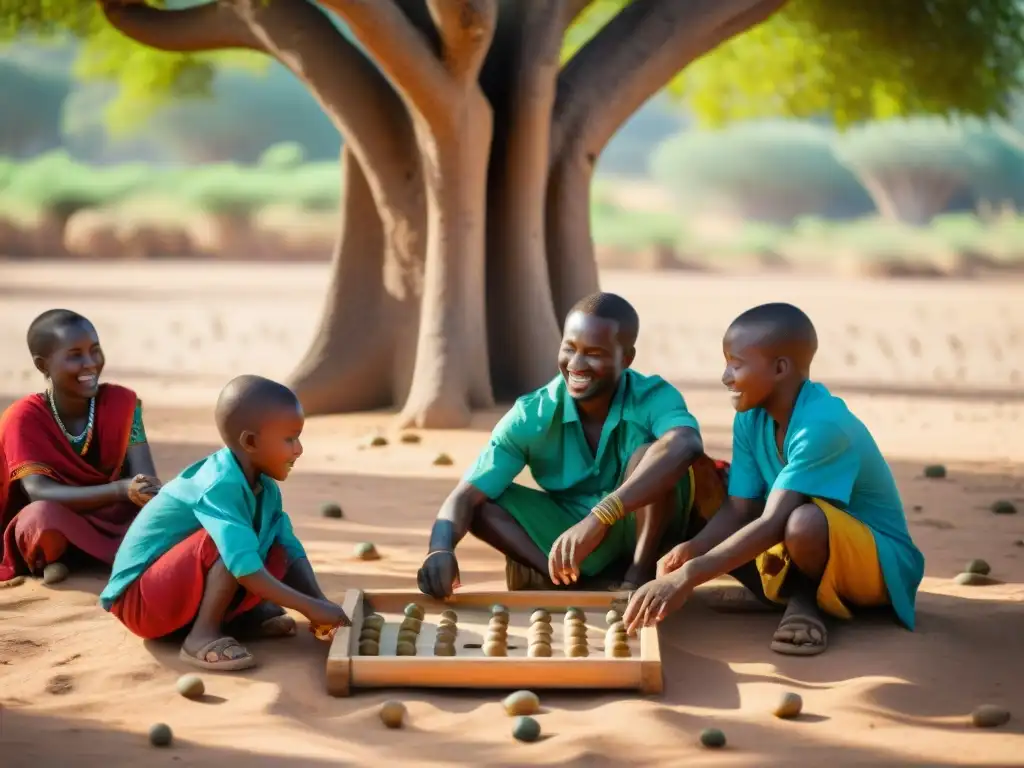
(455, 517)
(661, 468)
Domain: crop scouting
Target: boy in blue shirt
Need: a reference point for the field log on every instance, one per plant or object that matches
(812, 502)
(214, 550)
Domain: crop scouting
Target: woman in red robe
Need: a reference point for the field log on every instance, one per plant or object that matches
(78, 467)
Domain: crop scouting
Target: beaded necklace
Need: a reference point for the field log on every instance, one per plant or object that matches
(86, 435)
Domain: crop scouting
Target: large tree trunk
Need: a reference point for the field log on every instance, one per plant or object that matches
(465, 233)
(345, 370)
(452, 374)
(519, 79)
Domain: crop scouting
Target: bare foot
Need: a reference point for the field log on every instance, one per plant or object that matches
(802, 631)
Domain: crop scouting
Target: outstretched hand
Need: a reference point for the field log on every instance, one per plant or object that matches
(655, 600)
(572, 548)
(439, 575)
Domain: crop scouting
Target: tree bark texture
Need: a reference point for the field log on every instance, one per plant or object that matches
(469, 151)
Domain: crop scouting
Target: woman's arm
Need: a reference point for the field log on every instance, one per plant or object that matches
(139, 461)
(42, 488)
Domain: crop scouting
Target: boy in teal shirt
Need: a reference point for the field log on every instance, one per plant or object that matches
(812, 502)
(613, 452)
(214, 549)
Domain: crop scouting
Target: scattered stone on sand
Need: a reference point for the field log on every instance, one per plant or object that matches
(410, 437)
(191, 686)
(978, 566)
(789, 705)
(365, 550)
(443, 460)
(526, 729)
(712, 738)
(17, 581)
(332, 510)
(160, 735)
(55, 573)
(1003, 507)
(392, 714)
(935, 471)
(990, 716)
(521, 703)
(975, 580)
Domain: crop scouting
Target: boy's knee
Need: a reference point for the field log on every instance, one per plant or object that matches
(634, 460)
(806, 531)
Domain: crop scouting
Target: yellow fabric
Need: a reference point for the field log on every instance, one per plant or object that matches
(852, 574)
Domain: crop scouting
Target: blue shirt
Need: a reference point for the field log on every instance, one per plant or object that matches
(212, 494)
(542, 431)
(831, 455)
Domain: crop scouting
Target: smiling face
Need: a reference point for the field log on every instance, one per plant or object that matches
(751, 371)
(274, 449)
(76, 361)
(591, 358)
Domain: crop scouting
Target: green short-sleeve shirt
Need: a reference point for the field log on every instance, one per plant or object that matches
(542, 431)
(211, 494)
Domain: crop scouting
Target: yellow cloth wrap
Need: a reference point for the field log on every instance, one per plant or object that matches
(852, 574)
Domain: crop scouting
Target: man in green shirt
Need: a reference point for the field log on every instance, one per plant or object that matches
(612, 451)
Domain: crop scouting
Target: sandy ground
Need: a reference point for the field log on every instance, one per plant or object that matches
(934, 368)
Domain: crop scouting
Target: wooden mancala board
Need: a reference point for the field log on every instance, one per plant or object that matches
(474, 652)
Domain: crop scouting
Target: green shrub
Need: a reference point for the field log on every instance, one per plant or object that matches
(769, 171)
(53, 183)
(285, 155)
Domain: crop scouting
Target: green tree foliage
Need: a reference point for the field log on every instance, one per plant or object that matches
(850, 61)
(772, 171)
(869, 59)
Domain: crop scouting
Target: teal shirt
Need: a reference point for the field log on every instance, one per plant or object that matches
(831, 455)
(211, 494)
(542, 431)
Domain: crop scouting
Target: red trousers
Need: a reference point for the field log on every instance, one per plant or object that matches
(167, 595)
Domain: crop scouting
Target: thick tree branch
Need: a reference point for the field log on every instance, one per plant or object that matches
(350, 89)
(466, 28)
(635, 55)
(401, 51)
(210, 27)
